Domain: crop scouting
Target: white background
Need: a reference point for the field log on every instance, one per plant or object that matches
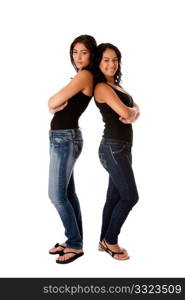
(34, 64)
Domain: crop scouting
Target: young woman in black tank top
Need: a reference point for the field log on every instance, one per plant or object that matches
(66, 144)
(118, 112)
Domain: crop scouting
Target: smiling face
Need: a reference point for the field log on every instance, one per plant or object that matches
(109, 64)
(81, 56)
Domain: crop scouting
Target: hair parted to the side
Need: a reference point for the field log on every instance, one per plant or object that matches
(90, 43)
(99, 76)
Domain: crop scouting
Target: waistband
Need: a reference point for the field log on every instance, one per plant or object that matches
(73, 133)
(108, 141)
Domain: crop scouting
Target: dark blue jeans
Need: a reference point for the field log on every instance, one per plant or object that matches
(122, 194)
(65, 147)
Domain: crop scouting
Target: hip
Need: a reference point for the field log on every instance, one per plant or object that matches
(65, 143)
(65, 135)
(115, 151)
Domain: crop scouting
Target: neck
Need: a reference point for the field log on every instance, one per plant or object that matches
(110, 79)
(111, 82)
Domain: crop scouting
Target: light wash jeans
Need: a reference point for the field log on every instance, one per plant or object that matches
(65, 147)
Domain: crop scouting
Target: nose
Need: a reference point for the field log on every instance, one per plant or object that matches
(79, 55)
(111, 63)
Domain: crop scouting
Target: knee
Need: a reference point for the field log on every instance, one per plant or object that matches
(57, 198)
(52, 197)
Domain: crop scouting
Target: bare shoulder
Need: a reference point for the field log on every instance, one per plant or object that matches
(85, 74)
(102, 88)
(102, 91)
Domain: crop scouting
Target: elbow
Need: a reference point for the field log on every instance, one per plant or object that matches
(50, 103)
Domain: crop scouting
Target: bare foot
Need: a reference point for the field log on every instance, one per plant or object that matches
(115, 248)
(69, 255)
(57, 248)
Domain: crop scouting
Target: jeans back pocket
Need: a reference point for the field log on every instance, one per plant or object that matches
(121, 147)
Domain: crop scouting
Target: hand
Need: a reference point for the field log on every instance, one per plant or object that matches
(134, 117)
(130, 120)
(137, 116)
(138, 111)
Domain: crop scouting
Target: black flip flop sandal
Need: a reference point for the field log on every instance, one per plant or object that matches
(112, 253)
(77, 255)
(58, 251)
(102, 248)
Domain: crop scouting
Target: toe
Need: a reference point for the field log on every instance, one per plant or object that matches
(121, 256)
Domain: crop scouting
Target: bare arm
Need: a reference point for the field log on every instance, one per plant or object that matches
(138, 111)
(54, 110)
(78, 83)
(133, 119)
(105, 94)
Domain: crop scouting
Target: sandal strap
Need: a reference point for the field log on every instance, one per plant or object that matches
(104, 248)
(70, 252)
(114, 253)
(108, 250)
(58, 245)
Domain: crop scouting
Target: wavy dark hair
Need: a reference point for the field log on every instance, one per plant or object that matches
(90, 43)
(99, 76)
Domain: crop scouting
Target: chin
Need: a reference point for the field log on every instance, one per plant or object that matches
(80, 67)
(110, 75)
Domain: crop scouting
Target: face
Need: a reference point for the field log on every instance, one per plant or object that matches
(81, 56)
(109, 63)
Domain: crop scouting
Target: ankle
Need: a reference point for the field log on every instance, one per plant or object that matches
(107, 243)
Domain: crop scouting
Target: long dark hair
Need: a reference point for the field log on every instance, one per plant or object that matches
(99, 76)
(90, 43)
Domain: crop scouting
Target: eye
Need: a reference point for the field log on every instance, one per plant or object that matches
(84, 52)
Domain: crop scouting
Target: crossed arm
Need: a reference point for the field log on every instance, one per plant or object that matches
(105, 94)
(102, 93)
(58, 101)
(54, 110)
(134, 118)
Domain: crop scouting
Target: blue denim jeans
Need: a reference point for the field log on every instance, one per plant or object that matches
(122, 194)
(65, 147)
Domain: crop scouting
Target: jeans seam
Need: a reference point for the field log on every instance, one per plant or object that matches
(113, 155)
(118, 151)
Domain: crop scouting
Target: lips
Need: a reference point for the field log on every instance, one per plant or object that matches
(111, 71)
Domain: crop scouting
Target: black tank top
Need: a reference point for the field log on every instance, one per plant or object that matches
(67, 118)
(114, 128)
